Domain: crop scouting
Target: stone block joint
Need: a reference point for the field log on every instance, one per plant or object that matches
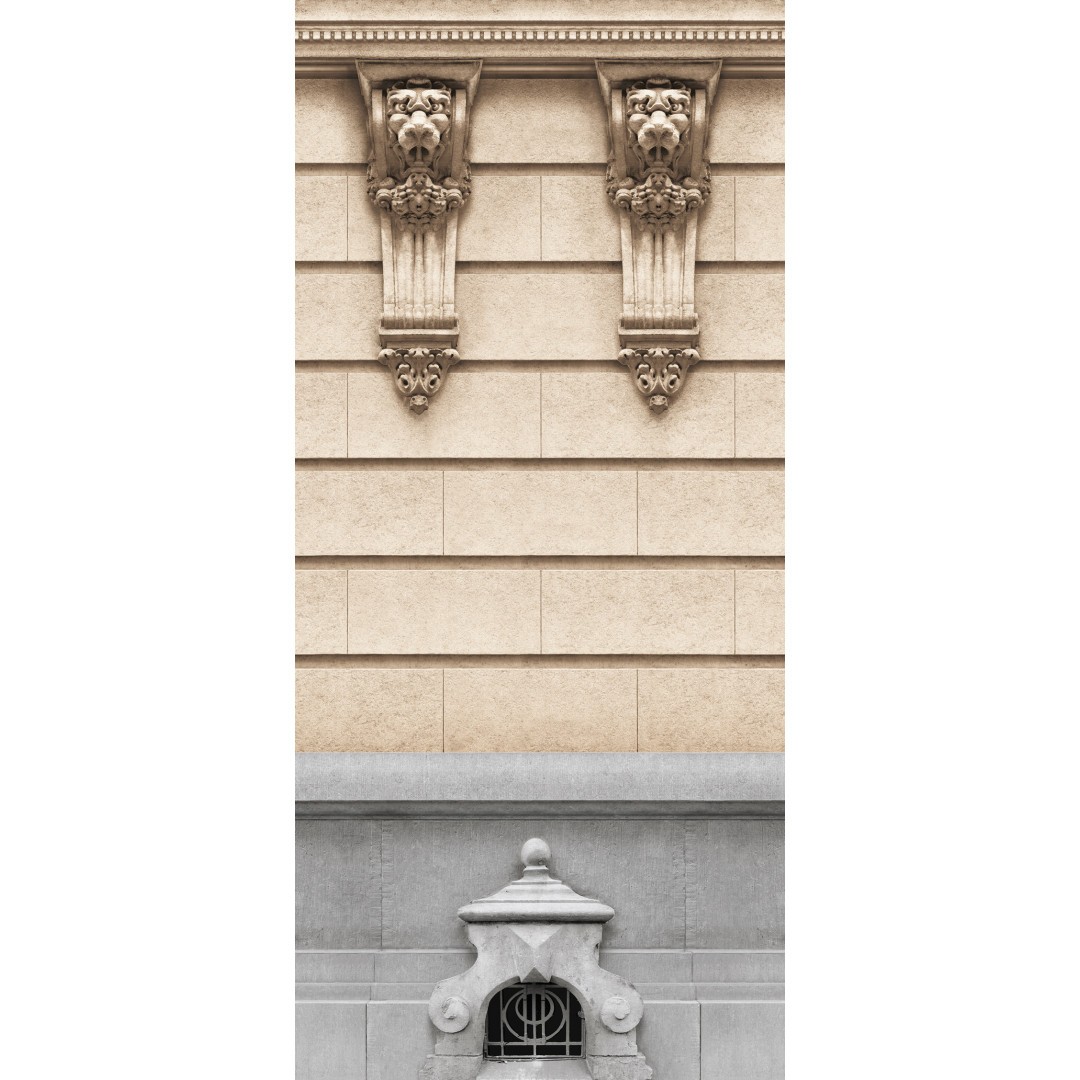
(658, 180)
(418, 120)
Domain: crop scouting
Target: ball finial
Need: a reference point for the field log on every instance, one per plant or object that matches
(535, 852)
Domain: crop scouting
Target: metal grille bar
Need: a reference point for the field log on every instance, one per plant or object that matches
(534, 1020)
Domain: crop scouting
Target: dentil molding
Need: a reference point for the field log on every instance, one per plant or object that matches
(658, 179)
(418, 118)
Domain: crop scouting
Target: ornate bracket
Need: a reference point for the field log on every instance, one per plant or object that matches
(658, 178)
(537, 930)
(418, 119)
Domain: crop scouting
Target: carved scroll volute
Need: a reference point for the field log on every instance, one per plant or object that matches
(658, 179)
(418, 178)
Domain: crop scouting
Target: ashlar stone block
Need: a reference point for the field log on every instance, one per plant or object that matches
(321, 218)
(395, 512)
(330, 127)
(444, 611)
(365, 228)
(759, 218)
(742, 316)
(579, 221)
(598, 414)
(716, 223)
(691, 710)
(759, 414)
(321, 610)
(337, 316)
(759, 611)
(748, 122)
(321, 414)
(711, 513)
(331, 1040)
(504, 710)
(540, 513)
(480, 414)
(638, 611)
(500, 221)
(369, 710)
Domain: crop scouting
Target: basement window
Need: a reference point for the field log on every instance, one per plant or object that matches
(531, 1020)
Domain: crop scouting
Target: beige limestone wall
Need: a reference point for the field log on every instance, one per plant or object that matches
(538, 562)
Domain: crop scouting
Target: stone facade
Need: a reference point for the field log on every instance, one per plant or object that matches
(537, 593)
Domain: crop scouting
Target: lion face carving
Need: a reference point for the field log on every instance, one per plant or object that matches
(657, 117)
(418, 116)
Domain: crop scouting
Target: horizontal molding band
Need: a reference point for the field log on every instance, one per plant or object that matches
(537, 30)
(539, 778)
(433, 809)
(539, 562)
(536, 660)
(336, 59)
(552, 366)
(502, 269)
(598, 169)
(542, 464)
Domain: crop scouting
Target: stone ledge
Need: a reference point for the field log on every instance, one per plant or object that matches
(548, 784)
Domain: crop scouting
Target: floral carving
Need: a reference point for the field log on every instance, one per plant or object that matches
(419, 372)
(418, 201)
(659, 373)
(657, 200)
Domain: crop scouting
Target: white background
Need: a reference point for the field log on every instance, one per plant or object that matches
(147, 431)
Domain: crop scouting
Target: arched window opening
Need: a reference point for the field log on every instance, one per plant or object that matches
(534, 1020)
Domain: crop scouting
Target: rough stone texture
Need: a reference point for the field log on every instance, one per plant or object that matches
(321, 217)
(716, 222)
(725, 966)
(479, 414)
(759, 218)
(742, 317)
(331, 1041)
(337, 316)
(365, 229)
(711, 513)
(735, 893)
(400, 1037)
(670, 1037)
(500, 710)
(376, 710)
(638, 611)
(600, 414)
(509, 316)
(579, 221)
(507, 126)
(540, 513)
(396, 512)
(759, 414)
(748, 121)
(476, 860)
(500, 221)
(759, 611)
(321, 611)
(694, 709)
(321, 414)
(444, 611)
(742, 1041)
(330, 122)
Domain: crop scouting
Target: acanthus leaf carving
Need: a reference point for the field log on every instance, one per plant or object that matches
(419, 372)
(418, 178)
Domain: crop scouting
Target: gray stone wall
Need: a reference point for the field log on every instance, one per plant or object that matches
(686, 848)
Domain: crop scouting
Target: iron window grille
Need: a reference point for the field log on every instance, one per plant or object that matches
(534, 1021)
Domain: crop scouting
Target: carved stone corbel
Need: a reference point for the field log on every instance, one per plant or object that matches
(418, 119)
(658, 178)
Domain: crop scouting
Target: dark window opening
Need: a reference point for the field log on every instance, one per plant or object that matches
(534, 1020)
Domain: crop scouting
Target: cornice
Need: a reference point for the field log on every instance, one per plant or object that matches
(331, 32)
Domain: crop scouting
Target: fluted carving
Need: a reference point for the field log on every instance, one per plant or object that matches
(418, 178)
(658, 178)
